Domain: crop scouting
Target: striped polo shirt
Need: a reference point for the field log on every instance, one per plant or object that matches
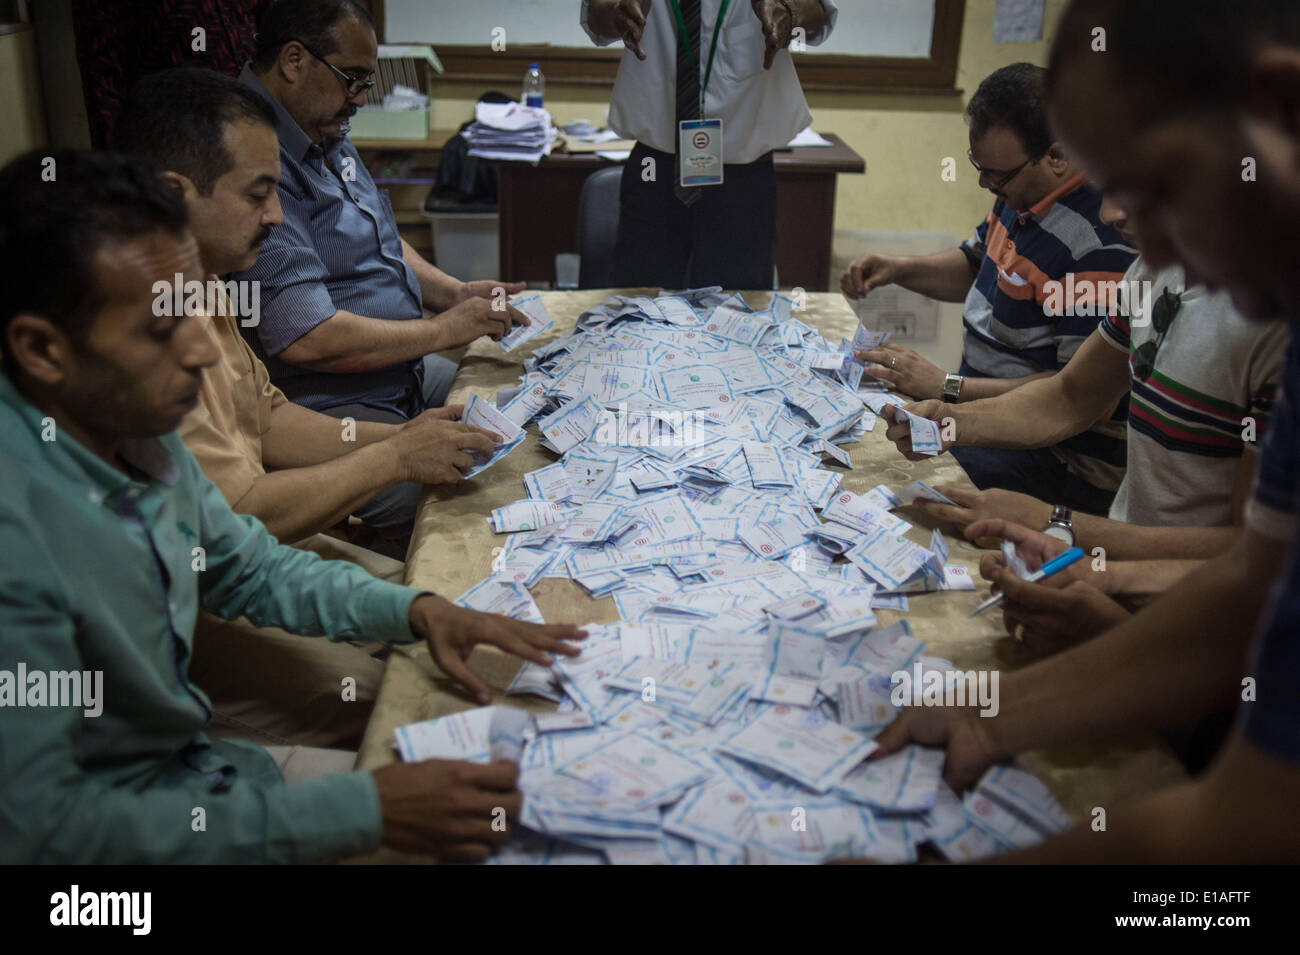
(1045, 277)
(1207, 400)
(338, 248)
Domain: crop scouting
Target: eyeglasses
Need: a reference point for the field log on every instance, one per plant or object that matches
(1162, 317)
(352, 84)
(994, 173)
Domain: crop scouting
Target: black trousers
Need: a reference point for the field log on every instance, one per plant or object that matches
(727, 238)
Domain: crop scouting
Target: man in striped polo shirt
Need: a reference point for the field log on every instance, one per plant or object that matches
(1035, 277)
(1202, 379)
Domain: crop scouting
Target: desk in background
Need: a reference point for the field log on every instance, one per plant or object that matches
(539, 205)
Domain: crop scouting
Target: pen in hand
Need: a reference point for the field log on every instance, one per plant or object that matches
(1054, 565)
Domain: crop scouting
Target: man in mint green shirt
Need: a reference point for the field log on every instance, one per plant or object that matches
(111, 539)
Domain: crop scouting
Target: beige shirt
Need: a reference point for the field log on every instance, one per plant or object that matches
(224, 432)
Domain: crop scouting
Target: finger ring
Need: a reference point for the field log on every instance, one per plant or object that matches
(893, 361)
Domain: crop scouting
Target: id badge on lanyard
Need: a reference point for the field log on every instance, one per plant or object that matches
(699, 141)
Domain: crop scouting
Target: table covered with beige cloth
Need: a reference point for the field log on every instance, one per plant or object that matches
(452, 549)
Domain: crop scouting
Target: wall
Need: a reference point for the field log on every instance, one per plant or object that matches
(903, 137)
(21, 109)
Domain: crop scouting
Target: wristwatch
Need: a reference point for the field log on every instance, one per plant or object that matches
(952, 387)
(1060, 525)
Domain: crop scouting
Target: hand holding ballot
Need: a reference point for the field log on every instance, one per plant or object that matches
(452, 633)
(916, 429)
(437, 447)
(475, 317)
(1053, 613)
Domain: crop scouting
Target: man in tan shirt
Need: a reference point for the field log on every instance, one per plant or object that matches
(296, 470)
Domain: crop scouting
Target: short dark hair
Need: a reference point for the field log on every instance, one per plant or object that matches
(1192, 56)
(176, 121)
(1013, 98)
(52, 230)
(310, 22)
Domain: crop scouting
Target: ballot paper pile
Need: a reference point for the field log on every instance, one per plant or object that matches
(726, 718)
(510, 131)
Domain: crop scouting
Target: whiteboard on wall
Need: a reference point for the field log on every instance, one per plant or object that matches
(898, 28)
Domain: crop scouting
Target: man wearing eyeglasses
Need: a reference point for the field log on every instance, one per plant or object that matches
(1202, 378)
(1044, 226)
(342, 327)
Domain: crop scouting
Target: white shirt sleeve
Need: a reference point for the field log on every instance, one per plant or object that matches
(822, 35)
(598, 40)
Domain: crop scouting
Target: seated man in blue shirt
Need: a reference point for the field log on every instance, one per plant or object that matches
(1165, 127)
(111, 540)
(342, 327)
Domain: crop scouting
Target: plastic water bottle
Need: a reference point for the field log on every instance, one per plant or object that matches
(534, 86)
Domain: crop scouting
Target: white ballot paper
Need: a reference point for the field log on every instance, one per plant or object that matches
(925, 433)
(540, 321)
(920, 491)
(483, 414)
(483, 735)
(905, 781)
(802, 744)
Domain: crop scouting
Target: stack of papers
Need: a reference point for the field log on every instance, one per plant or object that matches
(726, 717)
(510, 131)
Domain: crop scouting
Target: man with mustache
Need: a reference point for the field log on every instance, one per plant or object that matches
(342, 324)
(290, 467)
(111, 540)
(1044, 226)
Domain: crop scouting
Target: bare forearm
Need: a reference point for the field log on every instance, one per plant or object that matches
(978, 389)
(299, 437)
(1124, 541)
(1146, 578)
(298, 502)
(946, 276)
(1178, 659)
(1035, 414)
(347, 343)
(438, 289)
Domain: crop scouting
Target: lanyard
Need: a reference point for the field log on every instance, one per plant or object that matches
(690, 50)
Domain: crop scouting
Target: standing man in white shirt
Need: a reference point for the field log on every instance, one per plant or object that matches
(708, 89)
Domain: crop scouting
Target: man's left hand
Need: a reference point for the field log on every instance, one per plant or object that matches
(778, 28)
(452, 633)
(910, 374)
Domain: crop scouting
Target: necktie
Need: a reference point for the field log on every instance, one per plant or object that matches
(688, 88)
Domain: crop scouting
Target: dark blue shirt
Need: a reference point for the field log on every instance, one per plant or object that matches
(1272, 721)
(338, 248)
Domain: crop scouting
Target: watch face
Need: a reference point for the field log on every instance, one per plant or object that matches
(1059, 532)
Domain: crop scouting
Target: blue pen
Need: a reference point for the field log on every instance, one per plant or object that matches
(1049, 568)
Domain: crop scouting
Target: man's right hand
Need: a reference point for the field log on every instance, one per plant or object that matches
(867, 272)
(474, 318)
(626, 20)
(431, 449)
(900, 431)
(447, 808)
(966, 736)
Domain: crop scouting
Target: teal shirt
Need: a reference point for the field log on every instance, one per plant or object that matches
(98, 571)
